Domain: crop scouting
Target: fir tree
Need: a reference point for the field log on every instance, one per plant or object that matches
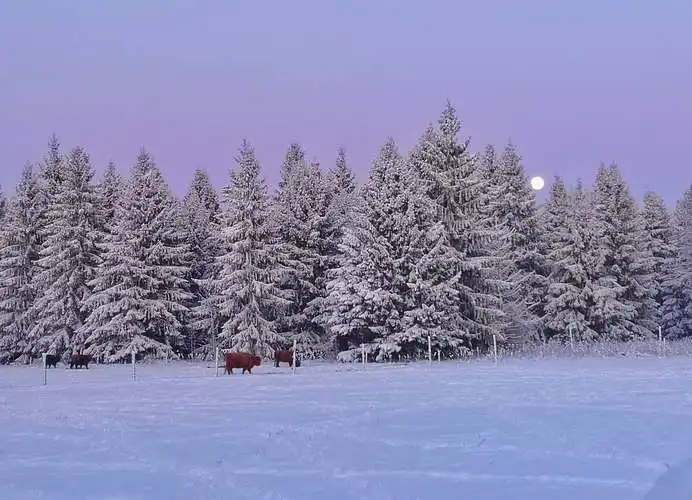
(623, 288)
(401, 215)
(521, 259)
(566, 219)
(298, 220)
(343, 179)
(202, 213)
(68, 259)
(341, 197)
(455, 302)
(251, 263)
(657, 240)
(3, 205)
(677, 295)
(109, 190)
(140, 290)
(359, 300)
(364, 302)
(201, 186)
(19, 248)
(50, 176)
(334, 207)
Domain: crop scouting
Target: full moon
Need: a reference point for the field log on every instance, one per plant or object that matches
(537, 183)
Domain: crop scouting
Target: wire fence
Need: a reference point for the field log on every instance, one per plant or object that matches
(634, 348)
(25, 375)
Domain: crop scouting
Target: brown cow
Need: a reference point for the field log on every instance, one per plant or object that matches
(285, 356)
(242, 360)
(79, 360)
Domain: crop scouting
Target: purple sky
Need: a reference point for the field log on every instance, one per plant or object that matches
(572, 82)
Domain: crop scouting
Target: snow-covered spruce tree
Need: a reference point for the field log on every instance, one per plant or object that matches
(624, 287)
(342, 178)
(139, 292)
(677, 295)
(19, 247)
(339, 201)
(341, 197)
(363, 303)
(202, 211)
(403, 216)
(3, 204)
(521, 258)
(201, 185)
(298, 220)
(359, 300)
(566, 220)
(109, 190)
(252, 264)
(456, 303)
(657, 239)
(50, 176)
(68, 260)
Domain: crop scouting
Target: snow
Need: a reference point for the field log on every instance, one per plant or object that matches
(570, 429)
(675, 484)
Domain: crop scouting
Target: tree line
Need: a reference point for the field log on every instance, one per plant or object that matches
(439, 242)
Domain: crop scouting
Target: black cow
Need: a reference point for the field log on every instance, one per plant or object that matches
(52, 360)
(79, 360)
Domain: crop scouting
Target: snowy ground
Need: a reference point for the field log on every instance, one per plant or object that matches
(538, 430)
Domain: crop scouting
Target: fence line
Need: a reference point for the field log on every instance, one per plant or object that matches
(553, 350)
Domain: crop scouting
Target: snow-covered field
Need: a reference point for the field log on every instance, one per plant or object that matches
(538, 430)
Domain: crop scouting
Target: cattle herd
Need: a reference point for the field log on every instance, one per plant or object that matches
(241, 360)
(76, 361)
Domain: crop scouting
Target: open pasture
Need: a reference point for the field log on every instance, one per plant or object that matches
(561, 428)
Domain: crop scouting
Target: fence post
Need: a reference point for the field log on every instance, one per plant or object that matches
(571, 338)
(295, 346)
(429, 350)
(495, 347)
(362, 353)
(439, 356)
(134, 370)
(45, 368)
(216, 361)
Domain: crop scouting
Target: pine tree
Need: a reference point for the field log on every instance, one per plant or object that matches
(623, 290)
(657, 239)
(19, 247)
(249, 298)
(140, 289)
(677, 299)
(68, 259)
(566, 219)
